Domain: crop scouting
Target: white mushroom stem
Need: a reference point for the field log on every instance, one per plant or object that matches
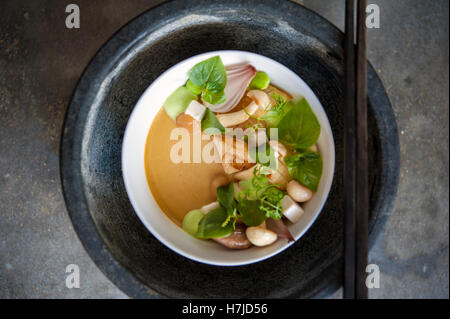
(261, 98)
(280, 175)
(238, 117)
(245, 174)
(260, 236)
(291, 210)
(207, 208)
(280, 149)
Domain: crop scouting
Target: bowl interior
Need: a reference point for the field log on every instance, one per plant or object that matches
(134, 173)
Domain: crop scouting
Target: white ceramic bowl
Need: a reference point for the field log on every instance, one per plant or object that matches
(150, 213)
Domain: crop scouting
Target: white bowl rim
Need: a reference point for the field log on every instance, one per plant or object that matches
(127, 182)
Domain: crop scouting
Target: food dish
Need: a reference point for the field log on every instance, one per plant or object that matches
(248, 213)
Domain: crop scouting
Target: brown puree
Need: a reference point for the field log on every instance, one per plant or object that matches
(177, 188)
(180, 187)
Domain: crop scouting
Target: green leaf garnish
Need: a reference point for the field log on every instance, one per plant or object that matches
(211, 225)
(251, 213)
(299, 127)
(209, 78)
(306, 168)
(268, 196)
(210, 123)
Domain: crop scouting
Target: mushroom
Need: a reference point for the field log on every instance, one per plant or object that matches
(238, 117)
(291, 210)
(281, 175)
(233, 153)
(260, 236)
(260, 98)
(245, 174)
(237, 239)
(298, 192)
(280, 149)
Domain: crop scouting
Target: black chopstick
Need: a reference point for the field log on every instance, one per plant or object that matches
(350, 151)
(356, 154)
(362, 158)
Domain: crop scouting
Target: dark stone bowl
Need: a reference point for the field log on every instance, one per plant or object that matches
(113, 82)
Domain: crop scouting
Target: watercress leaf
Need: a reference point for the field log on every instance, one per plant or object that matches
(260, 82)
(264, 155)
(225, 197)
(210, 74)
(299, 127)
(193, 88)
(306, 168)
(178, 101)
(214, 98)
(250, 211)
(210, 226)
(210, 123)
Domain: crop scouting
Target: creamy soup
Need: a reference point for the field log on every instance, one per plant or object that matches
(181, 187)
(177, 188)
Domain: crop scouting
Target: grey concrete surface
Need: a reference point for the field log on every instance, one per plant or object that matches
(41, 61)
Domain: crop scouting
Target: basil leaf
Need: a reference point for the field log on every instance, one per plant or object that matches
(299, 127)
(260, 82)
(250, 211)
(306, 168)
(214, 98)
(210, 226)
(209, 78)
(264, 155)
(178, 102)
(210, 123)
(225, 197)
(210, 70)
(193, 88)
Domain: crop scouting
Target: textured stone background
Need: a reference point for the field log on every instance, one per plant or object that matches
(41, 61)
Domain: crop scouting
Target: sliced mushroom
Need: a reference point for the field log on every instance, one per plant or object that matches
(238, 117)
(245, 174)
(233, 153)
(260, 98)
(280, 149)
(281, 175)
(237, 239)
